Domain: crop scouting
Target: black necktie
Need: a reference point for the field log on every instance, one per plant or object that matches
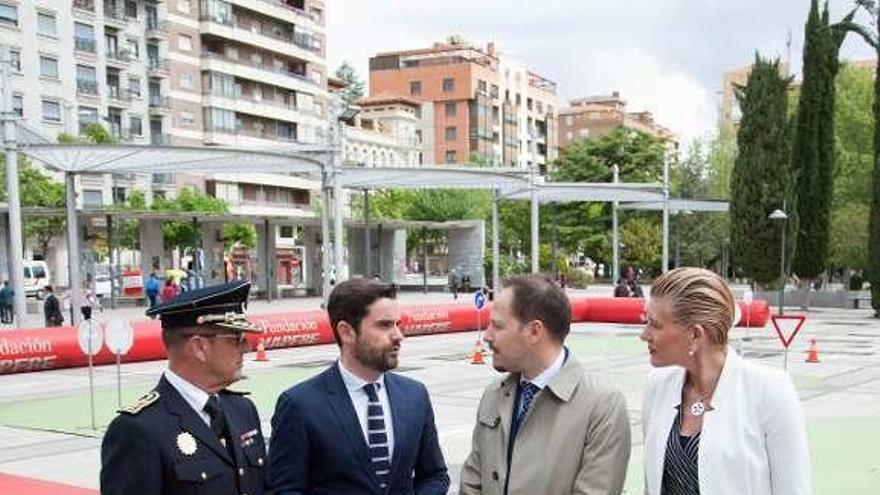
(218, 422)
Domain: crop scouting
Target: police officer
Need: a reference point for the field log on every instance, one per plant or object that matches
(191, 435)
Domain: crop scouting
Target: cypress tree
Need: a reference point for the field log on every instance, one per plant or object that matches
(874, 222)
(761, 174)
(813, 146)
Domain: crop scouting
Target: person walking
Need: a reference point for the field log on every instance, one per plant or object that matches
(7, 303)
(52, 309)
(713, 422)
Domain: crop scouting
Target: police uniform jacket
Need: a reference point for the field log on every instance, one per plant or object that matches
(161, 446)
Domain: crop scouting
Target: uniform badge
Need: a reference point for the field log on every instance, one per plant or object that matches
(186, 443)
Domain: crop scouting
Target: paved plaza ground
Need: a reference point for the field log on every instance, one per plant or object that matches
(45, 420)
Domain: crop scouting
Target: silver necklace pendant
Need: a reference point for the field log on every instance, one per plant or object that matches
(697, 408)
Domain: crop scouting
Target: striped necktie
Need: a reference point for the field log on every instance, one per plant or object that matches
(377, 437)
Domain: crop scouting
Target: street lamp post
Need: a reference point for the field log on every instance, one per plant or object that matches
(780, 215)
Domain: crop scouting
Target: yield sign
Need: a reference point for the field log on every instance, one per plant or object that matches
(792, 324)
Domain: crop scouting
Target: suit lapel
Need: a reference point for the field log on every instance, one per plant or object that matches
(235, 430)
(346, 418)
(399, 411)
(667, 411)
(506, 396)
(190, 421)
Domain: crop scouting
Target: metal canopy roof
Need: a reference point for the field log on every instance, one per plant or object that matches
(432, 177)
(131, 158)
(591, 191)
(680, 205)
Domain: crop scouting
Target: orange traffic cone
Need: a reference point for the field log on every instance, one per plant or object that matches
(261, 352)
(813, 353)
(477, 358)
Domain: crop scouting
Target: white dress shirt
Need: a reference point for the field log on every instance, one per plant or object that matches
(360, 400)
(548, 374)
(194, 396)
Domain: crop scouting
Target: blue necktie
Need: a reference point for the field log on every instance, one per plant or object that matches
(377, 437)
(528, 390)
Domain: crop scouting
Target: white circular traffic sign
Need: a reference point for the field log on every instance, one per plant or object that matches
(119, 337)
(90, 337)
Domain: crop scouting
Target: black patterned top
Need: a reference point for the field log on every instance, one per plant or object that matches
(680, 475)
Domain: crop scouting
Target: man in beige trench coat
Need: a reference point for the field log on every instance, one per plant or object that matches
(545, 428)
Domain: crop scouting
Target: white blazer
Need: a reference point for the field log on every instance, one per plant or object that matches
(753, 441)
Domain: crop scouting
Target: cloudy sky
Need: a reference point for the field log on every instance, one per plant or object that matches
(666, 56)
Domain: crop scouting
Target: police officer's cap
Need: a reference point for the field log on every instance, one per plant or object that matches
(216, 306)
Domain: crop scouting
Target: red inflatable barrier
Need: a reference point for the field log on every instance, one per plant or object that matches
(53, 348)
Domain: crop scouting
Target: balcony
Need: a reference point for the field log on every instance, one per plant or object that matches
(84, 45)
(118, 57)
(278, 109)
(265, 73)
(157, 67)
(86, 87)
(156, 29)
(87, 5)
(245, 137)
(160, 104)
(296, 10)
(118, 96)
(163, 179)
(276, 40)
(115, 16)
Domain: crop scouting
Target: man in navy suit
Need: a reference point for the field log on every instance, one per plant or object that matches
(355, 428)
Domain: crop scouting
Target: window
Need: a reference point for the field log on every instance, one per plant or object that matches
(86, 80)
(529, 103)
(451, 133)
(448, 85)
(131, 9)
(569, 120)
(286, 231)
(481, 87)
(450, 109)
(540, 106)
(134, 87)
(118, 194)
(15, 56)
(18, 105)
(218, 119)
(93, 198)
(133, 48)
(186, 81)
(183, 6)
(46, 24)
(135, 126)
(415, 88)
(184, 42)
(87, 116)
(451, 156)
(8, 14)
(52, 111)
(84, 37)
(49, 67)
(220, 84)
(569, 135)
(187, 119)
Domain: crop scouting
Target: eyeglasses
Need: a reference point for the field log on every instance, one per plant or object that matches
(238, 337)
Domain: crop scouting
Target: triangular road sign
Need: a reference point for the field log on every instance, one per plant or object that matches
(791, 324)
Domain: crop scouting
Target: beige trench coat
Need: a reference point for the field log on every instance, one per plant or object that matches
(575, 439)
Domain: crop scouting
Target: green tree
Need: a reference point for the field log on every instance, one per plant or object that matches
(813, 145)
(37, 189)
(586, 227)
(871, 35)
(183, 234)
(851, 203)
(699, 235)
(761, 176)
(354, 86)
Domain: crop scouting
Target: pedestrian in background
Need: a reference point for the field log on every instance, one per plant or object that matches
(52, 309)
(7, 303)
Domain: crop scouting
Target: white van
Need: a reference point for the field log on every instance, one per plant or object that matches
(36, 276)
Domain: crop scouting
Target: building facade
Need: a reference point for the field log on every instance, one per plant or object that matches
(483, 106)
(595, 116)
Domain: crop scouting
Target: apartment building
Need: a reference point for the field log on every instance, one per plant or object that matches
(484, 106)
(175, 72)
(595, 116)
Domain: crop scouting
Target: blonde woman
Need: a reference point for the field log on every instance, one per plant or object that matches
(713, 422)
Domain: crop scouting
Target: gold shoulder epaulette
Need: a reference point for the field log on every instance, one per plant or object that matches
(144, 402)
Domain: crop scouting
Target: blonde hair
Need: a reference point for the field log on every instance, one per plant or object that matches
(697, 297)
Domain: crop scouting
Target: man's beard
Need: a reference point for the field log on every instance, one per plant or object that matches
(375, 358)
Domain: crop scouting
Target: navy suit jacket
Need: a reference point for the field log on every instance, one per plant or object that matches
(318, 447)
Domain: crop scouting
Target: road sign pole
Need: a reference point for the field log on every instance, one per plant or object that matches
(119, 380)
(91, 374)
